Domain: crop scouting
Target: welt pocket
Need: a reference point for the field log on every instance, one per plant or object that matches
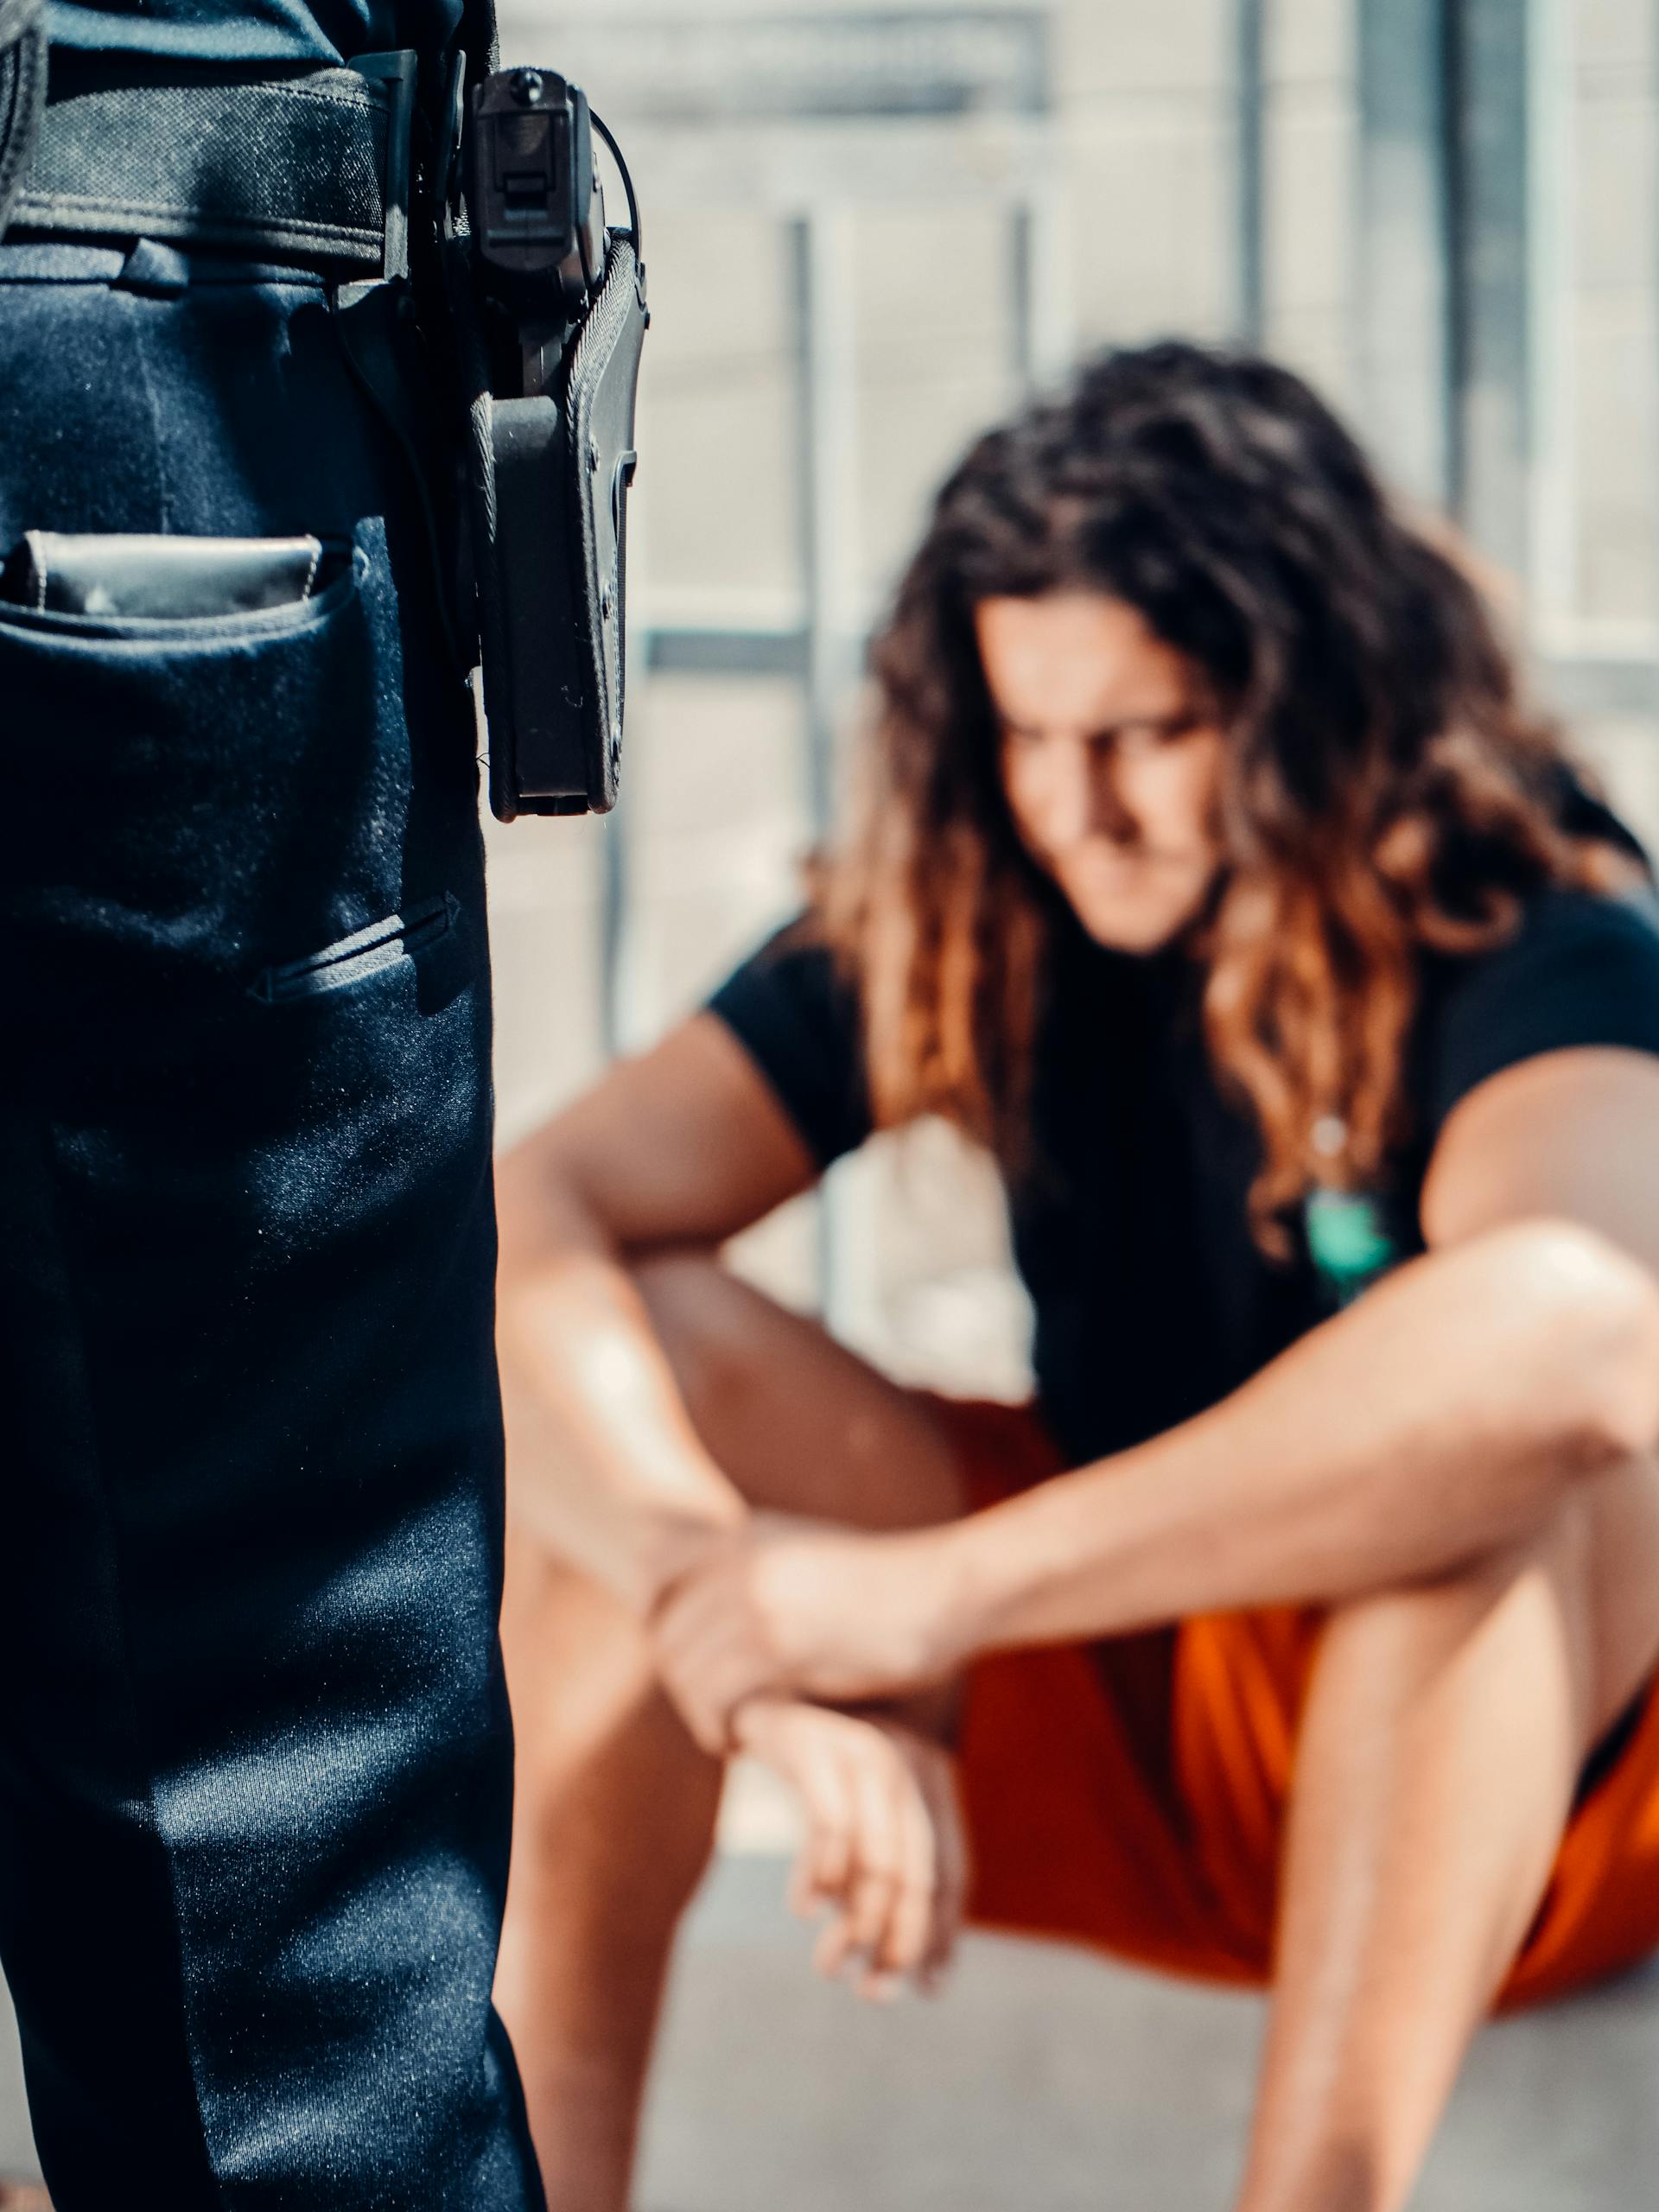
(365, 952)
(235, 626)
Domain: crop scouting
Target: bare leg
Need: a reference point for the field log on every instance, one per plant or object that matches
(1434, 1773)
(1444, 1729)
(615, 1805)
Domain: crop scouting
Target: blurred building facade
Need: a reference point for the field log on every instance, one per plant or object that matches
(868, 230)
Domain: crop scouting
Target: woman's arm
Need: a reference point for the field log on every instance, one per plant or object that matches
(683, 1147)
(1426, 1424)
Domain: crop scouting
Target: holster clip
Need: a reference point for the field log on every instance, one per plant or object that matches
(398, 72)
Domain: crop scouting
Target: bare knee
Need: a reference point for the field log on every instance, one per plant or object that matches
(593, 1726)
(1587, 1342)
(578, 1663)
(703, 1318)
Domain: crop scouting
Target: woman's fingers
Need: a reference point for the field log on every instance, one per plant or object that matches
(908, 1933)
(880, 1786)
(882, 1848)
(706, 1668)
(710, 1653)
(807, 1746)
(888, 1920)
(787, 1606)
(825, 1865)
(951, 1894)
(848, 1861)
(926, 1914)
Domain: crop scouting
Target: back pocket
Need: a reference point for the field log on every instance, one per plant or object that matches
(426, 928)
(195, 797)
(119, 580)
(181, 591)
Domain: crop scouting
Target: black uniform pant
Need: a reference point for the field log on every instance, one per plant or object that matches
(254, 1748)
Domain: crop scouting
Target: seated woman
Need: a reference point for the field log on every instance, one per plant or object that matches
(1210, 870)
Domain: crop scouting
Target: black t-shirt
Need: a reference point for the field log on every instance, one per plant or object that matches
(325, 32)
(1131, 1226)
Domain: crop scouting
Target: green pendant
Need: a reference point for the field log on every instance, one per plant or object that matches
(1346, 1238)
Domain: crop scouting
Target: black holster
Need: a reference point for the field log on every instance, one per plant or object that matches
(549, 488)
(362, 168)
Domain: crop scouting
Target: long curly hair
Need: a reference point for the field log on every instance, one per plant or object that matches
(1385, 791)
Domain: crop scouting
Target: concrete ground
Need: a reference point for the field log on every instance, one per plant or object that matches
(1048, 2082)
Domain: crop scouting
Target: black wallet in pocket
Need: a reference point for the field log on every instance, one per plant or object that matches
(166, 578)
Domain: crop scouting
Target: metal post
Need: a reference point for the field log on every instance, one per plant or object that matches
(821, 248)
(822, 254)
(1492, 59)
(616, 892)
(1552, 523)
(1042, 340)
(1022, 280)
(1250, 310)
(1403, 310)
(624, 1022)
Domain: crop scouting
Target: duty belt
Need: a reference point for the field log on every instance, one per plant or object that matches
(314, 166)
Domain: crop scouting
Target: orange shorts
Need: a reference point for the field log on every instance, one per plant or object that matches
(1131, 1794)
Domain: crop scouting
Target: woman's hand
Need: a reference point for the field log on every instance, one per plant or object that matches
(883, 1850)
(786, 1607)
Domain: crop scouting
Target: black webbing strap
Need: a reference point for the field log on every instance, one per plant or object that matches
(23, 90)
(315, 166)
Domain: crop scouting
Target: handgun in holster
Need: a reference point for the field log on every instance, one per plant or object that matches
(556, 316)
(465, 234)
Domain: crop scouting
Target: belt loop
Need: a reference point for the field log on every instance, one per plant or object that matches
(398, 71)
(23, 93)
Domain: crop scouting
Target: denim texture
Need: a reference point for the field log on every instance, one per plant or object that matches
(252, 30)
(254, 1752)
